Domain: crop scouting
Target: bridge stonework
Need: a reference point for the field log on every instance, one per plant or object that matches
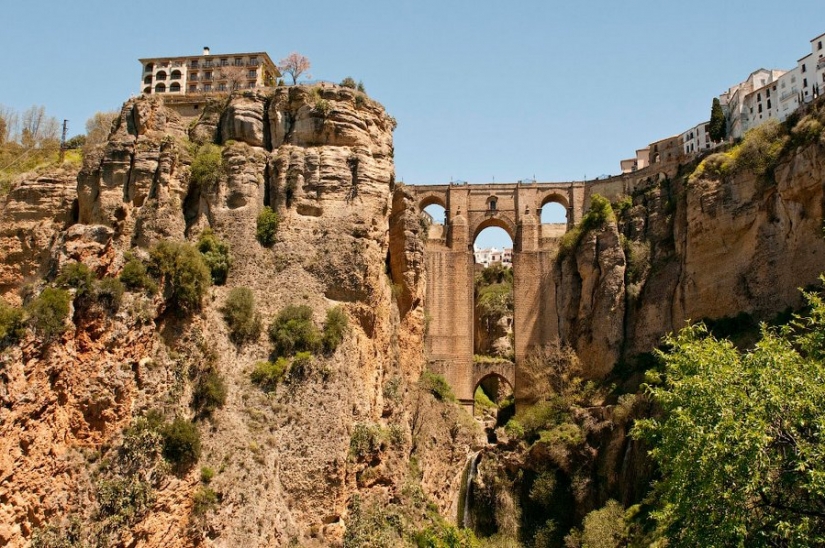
(449, 260)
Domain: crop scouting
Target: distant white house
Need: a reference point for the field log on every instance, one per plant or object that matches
(493, 255)
(764, 95)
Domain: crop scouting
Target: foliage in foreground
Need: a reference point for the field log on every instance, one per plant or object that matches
(740, 445)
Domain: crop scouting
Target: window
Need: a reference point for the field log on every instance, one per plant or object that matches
(253, 61)
(222, 86)
(176, 75)
(193, 63)
(492, 205)
(767, 93)
(161, 76)
(252, 74)
(251, 85)
(207, 87)
(148, 79)
(803, 67)
(207, 63)
(238, 62)
(207, 75)
(160, 88)
(758, 96)
(147, 90)
(769, 103)
(193, 88)
(149, 67)
(819, 45)
(760, 107)
(804, 82)
(224, 62)
(193, 76)
(175, 87)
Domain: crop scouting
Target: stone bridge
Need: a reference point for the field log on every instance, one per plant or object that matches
(450, 265)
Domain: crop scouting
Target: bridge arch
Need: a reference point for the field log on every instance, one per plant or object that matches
(498, 220)
(505, 371)
(432, 198)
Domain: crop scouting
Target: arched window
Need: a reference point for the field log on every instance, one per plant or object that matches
(176, 75)
(148, 79)
(161, 76)
(149, 67)
(160, 88)
(147, 90)
(174, 88)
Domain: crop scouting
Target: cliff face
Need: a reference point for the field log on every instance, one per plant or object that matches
(321, 158)
(698, 248)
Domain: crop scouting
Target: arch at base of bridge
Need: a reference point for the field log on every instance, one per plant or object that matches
(502, 369)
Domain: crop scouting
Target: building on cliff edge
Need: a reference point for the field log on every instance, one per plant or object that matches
(764, 95)
(207, 73)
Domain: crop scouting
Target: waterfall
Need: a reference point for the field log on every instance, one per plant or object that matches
(464, 516)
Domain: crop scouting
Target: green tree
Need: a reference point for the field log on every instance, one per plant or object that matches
(718, 125)
(12, 325)
(740, 444)
(207, 166)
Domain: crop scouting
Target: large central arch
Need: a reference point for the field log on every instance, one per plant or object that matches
(469, 209)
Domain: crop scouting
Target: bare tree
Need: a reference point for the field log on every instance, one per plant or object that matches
(295, 65)
(9, 126)
(99, 126)
(234, 76)
(38, 127)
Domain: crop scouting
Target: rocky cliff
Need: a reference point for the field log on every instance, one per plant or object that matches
(284, 464)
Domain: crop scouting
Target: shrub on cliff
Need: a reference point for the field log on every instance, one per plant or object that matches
(349, 82)
(109, 293)
(267, 226)
(209, 392)
(181, 444)
(12, 325)
(599, 214)
(294, 331)
(78, 276)
(183, 272)
(436, 385)
(134, 276)
(334, 328)
(47, 312)
(207, 166)
(239, 313)
(267, 375)
(216, 256)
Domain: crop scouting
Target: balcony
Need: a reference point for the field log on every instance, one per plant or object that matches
(194, 65)
(208, 64)
(253, 63)
(193, 77)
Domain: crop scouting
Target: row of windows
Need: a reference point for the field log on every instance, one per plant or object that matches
(206, 88)
(196, 63)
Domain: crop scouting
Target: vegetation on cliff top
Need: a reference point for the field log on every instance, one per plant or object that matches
(599, 213)
(762, 147)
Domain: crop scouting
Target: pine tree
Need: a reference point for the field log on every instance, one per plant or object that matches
(718, 129)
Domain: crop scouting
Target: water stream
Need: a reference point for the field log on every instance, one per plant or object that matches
(466, 492)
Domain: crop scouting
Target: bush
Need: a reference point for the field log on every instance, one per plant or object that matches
(47, 313)
(293, 331)
(78, 276)
(239, 313)
(207, 166)
(135, 276)
(437, 385)
(267, 375)
(215, 255)
(109, 293)
(205, 499)
(12, 325)
(599, 213)
(207, 474)
(367, 439)
(181, 444)
(209, 392)
(300, 367)
(183, 271)
(267, 226)
(334, 328)
(349, 82)
(125, 499)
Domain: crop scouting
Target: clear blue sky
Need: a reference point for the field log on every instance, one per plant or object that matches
(481, 90)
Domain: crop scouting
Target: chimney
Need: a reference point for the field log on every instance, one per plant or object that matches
(206, 50)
